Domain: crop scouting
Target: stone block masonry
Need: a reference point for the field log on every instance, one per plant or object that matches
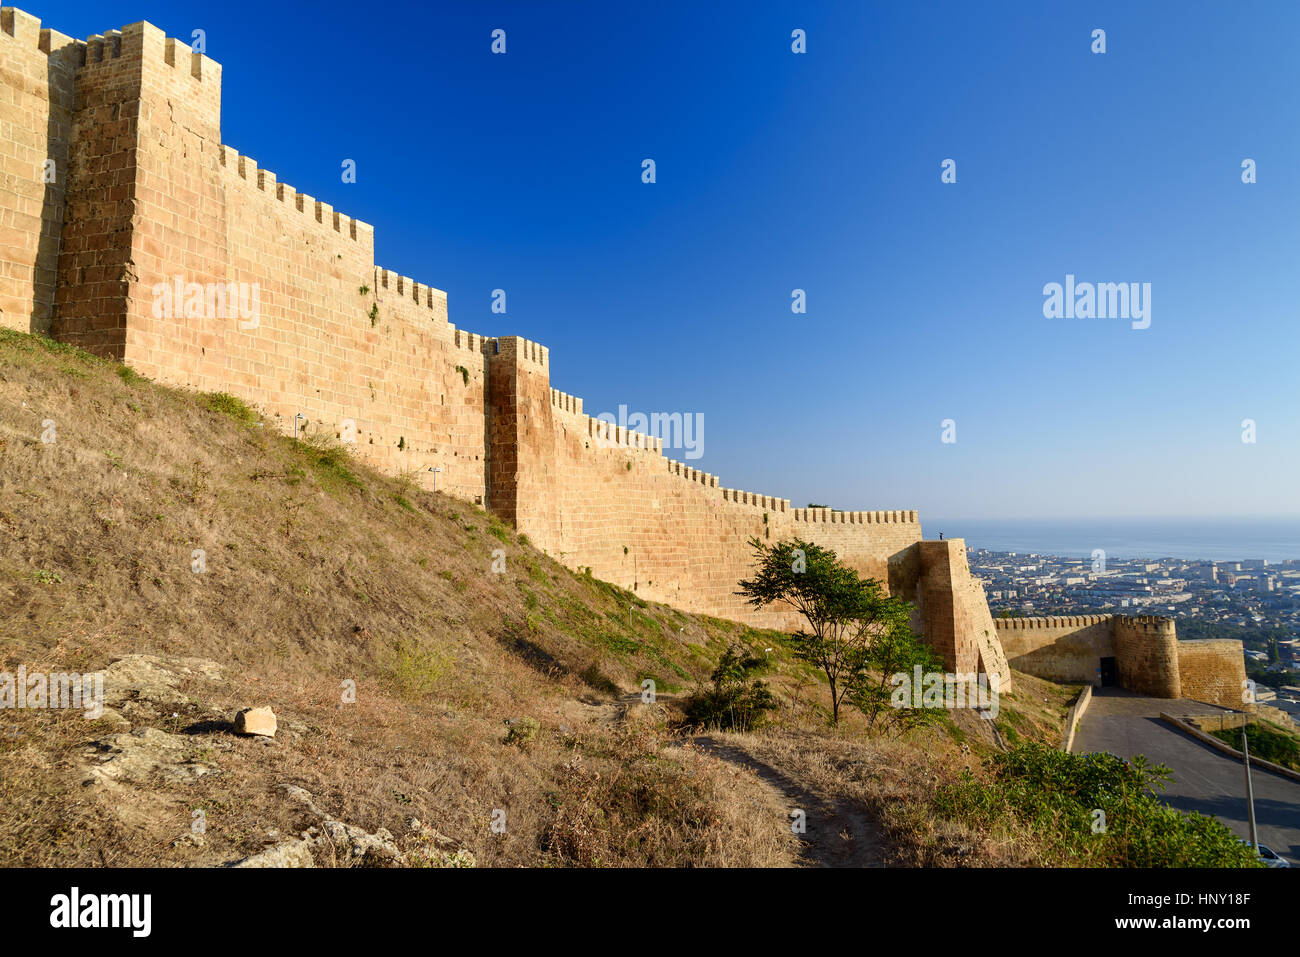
(146, 203)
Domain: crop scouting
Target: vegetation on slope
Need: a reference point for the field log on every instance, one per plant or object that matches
(319, 572)
(1266, 741)
(149, 530)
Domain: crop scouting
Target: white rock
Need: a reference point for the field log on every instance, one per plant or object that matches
(260, 721)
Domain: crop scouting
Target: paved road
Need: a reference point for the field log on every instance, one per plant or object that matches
(1204, 779)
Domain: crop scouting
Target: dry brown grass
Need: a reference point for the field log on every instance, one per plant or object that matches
(316, 573)
(320, 571)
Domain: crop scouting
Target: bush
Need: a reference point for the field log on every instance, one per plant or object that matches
(129, 375)
(523, 732)
(1057, 796)
(230, 405)
(330, 462)
(416, 669)
(738, 701)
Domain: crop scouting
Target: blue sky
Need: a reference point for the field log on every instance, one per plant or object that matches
(821, 171)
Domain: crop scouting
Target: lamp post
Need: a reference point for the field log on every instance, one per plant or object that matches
(435, 472)
(1250, 790)
(296, 417)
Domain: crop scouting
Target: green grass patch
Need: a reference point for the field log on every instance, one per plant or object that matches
(330, 464)
(416, 669)
(30, 343)
(129, 375)
(1266, 743)
(228, 405)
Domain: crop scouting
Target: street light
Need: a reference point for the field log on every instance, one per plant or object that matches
(435, 472)
(1250, 790)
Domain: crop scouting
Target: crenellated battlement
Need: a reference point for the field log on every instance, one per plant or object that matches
(1051, 622)
(613, 434)
(525, 351)
(1155, 624)
(26, 29)
(101, 48)
(834, 516)
(405, 288)
(246, 168)
(692, 474)
(566, 402)
(766, 502)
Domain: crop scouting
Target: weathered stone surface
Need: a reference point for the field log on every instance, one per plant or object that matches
(1213, 670)
(154, 678)
(115, 720)
(256, 721)
(292, 853)
(141, 757)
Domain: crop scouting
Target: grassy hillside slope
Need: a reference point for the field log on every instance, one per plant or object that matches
(498, 711)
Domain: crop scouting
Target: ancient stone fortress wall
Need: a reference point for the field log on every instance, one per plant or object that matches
(600, 496)
(148, 206)
(1067, 648)
(1149, 657)
(1146, 651)
(955, 612)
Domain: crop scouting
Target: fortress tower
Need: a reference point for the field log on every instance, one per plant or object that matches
(1146, 649)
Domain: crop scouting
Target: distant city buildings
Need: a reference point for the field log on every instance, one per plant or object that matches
(1250, 594)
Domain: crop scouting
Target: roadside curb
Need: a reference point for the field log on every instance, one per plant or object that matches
(1188, 728)
(1073, 716)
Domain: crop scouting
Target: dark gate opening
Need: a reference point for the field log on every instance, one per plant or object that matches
(1109, 674)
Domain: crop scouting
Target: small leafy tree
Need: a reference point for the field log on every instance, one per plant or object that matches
(738, 700)
(892, 649)
(844, 612)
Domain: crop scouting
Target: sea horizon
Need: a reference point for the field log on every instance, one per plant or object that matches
(1223, 539)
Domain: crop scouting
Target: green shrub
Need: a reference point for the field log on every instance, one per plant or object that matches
(129, 375)
(1057, 796)
(738, 701)
(230, 405)
(416, 669)
(330, 463)
(1266, 743)
(523, 733)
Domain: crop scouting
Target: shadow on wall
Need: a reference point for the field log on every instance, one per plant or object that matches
(61, 66)
(904, 572)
